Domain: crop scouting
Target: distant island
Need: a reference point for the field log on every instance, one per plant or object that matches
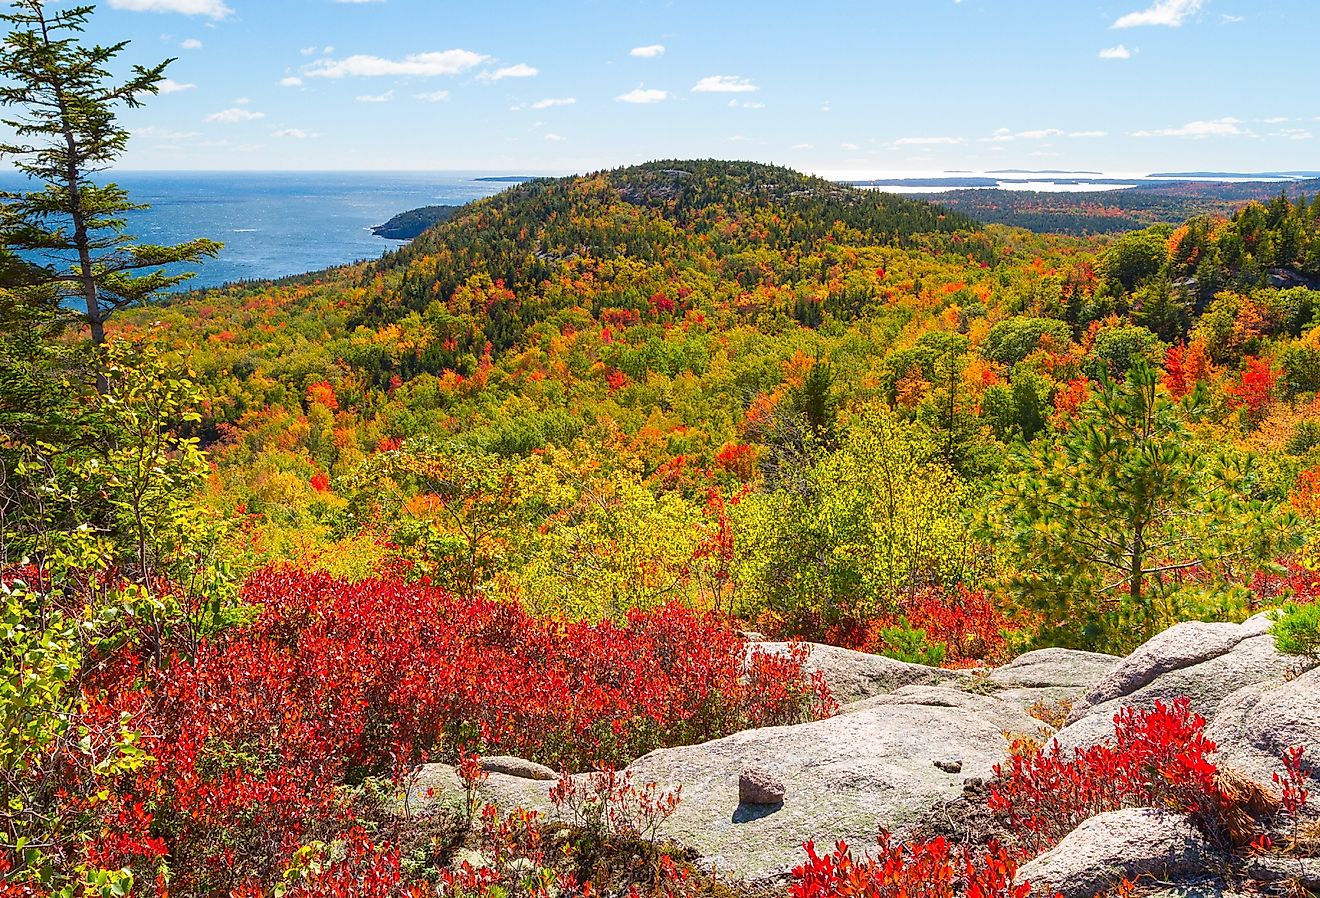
(407, 225)
(1039, 171)
(509, 179)
(1297, 175)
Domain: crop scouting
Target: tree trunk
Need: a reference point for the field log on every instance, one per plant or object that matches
(1135, 584)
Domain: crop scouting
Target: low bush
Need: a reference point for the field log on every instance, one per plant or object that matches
(1296, 631)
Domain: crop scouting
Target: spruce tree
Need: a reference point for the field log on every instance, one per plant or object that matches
(65, 133)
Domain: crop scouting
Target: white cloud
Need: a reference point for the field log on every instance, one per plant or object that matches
(295, 134)
(745, 104)
(1293, 134)
(1276, 120)
(1171, 13)
(724, 84)
(1224, 127)
(235, 115)
(376, 98)
(928, 141)
(521, 70)
(1119, 52)
(849, 146)
(191, 43)
(443, 62)
(650, 51)
(214, 9)
(803, 146)
(1226, 19)
(554, 137)
(643, 95)
(1003, 135)
(308, 51)
(738, 138)
(170, 86)
(435, 96)
(554, 101)
(359, 1)
(291, 81)
(165, 133)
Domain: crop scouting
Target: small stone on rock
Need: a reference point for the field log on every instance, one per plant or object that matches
(756, 785)
(950, 765)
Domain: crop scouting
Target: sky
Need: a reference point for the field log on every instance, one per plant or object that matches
(856, 88)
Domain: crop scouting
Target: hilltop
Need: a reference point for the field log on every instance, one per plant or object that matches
(528, 488)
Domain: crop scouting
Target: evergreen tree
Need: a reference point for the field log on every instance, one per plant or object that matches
(1109, 526)
(66, 133)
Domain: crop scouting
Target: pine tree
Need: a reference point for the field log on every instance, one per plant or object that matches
(65, 134)
(1105, 526)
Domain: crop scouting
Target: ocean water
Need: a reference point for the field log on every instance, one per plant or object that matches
(275, 224)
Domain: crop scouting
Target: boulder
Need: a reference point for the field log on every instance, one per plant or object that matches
(1202, 662)
(1051, 675)
(1274, 868)
(1255, 725)
(436, 788)
(854, 676)
(1181, 646)
(1119, 845)
(524, 769)
(845, 777)
(756, 785)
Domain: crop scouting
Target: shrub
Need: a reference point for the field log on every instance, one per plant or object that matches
(1296, 631)
(1157, 758)
(914, 870)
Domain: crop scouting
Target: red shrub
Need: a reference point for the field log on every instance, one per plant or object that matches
(336, 681)
(964, 621)
(1158, 758)
(915, 870)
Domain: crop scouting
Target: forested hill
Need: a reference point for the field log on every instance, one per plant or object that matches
(748, 220)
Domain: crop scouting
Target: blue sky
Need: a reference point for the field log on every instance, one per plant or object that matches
(865, 87)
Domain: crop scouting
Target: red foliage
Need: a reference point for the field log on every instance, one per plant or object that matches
(1185, 367)
(334, 681)
(914, 870)
(323, 394)
(1158, 758)
(1068, 400)
(1254, 392)
(966, 622)
(320, 481)
(615, 380)
(739, 459)
(1293, 583)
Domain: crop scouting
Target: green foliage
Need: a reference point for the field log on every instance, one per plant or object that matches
(46, 658)
(1118, 349)
(65, 133)
(1301, 368)
(879, 518)
(1296, 630)
(1135, 258)
(1103, 524)
(913, 646)
(1012, 340)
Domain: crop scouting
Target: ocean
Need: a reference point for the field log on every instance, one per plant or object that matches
(275, 224)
